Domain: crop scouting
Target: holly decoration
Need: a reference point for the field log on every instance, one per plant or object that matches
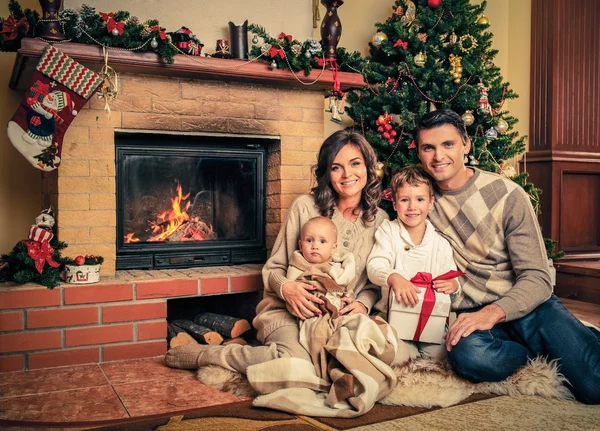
(88, 259)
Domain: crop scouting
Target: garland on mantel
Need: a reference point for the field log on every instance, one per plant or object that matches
(121, 30)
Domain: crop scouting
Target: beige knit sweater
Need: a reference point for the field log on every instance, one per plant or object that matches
(355, 237)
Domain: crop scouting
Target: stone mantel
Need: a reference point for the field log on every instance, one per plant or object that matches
(183, 66)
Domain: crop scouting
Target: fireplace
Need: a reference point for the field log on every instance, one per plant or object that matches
(186, 200)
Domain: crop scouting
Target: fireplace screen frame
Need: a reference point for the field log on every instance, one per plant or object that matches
(186, 254)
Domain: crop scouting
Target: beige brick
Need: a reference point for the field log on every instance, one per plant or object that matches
(295, 186)
(291, 128)
(259, 127)
(312, 115)
(124, 103)
(137, 120)
(204, 124)
(74, 235)
(293, 143)
(80, 134)
(274, 201)
(286, 201)
(86, 185)
(102, 168)
(103, 201)
(108, 268)
(74, 168)
(273, 187)
(304, 99)
(284, 213)
(92, 119)
(156, 87)
(90, 151)
(312, 144)
(102, 136)
(102, 234)
(298, 158)
(73, 201)
(276, 112)
(292, 173)
(205, 90)
(103, 250)
(200, 108)
(307, 172)
(259, 94)
(87, 218)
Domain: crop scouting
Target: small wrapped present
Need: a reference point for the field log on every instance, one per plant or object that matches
(426, 321)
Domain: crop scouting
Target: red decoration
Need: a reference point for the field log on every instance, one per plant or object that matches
(79, 260)
(40, 252)
(386, 195)
(434, 4)
(425, 280)
(10, 27)
(111, 24)
(161, 34)
(399, 42)
(412, 145)
(289, 37)
(275, 51)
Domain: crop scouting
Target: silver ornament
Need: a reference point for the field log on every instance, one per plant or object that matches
(273, 65)
(154, 43)
(115, 32)
(255, 39)
(307, 54)
(491, 134)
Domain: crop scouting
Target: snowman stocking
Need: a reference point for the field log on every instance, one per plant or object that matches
(60, 87)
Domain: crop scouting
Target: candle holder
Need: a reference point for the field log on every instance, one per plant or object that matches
(331, 28)
(238, 35)
(52, 28)
(222, 50)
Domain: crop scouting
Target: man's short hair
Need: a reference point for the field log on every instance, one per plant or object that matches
(439, 118)
(412, 176)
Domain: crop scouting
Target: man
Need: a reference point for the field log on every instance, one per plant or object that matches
(507, 312)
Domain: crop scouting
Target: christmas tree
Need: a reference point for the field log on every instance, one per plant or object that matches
(432, 54)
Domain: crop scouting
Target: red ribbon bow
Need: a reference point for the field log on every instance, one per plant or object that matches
(425, 280)
(412, 145)
(111, 24)
(286, 36)
(275, 51)
(10, 27)
(41, 252)
(161, 33)
(399, 42)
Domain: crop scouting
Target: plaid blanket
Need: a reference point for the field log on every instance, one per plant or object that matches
(351, 369)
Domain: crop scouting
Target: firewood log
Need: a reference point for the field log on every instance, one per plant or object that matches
(182, 339)
(200, 333)
(227, 326)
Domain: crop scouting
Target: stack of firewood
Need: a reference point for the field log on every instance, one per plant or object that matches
(207, 328)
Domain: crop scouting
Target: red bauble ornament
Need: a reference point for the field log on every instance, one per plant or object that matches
(393, 133)
(386, 135)
(434, 4)
(380, 129)
(388, 127)
(391, 140)
(79, 260)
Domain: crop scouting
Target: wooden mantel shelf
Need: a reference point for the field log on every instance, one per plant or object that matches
(183, 66)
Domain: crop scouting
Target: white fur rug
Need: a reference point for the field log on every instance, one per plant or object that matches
(422, 383)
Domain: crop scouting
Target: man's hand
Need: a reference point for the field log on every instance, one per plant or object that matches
(446, 286)
(296, 294)
(467, 323)
(404, 291)
(352, 306)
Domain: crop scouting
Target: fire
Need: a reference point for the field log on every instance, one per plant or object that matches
(130, 237)
(169, 221)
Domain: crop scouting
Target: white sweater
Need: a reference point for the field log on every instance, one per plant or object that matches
(388, 256)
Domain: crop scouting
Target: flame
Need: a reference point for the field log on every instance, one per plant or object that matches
(131, 238)
(168, 221)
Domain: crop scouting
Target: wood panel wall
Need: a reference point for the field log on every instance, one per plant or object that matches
(564, 147)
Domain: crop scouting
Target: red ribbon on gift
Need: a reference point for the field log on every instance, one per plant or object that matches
(111, 24)
(10, 27)
(425, 280)
(41, 252)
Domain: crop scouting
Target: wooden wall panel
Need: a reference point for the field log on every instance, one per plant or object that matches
(579, 210)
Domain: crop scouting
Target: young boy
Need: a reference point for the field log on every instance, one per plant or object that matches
(313, 263)
(409, 245)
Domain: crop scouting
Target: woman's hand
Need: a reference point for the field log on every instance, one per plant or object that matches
(302, 302)
(352, 306)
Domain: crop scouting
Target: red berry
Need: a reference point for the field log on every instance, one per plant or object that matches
(386, 135)
(380, 129)
(393, 133)
(79, 260)
(388, 127)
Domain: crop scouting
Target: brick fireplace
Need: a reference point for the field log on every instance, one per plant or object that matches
(124, 316)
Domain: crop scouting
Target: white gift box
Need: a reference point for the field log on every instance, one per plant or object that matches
(405, 319)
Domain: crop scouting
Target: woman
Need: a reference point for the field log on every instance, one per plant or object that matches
(347, 191)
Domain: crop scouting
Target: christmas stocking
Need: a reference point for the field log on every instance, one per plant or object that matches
(60, 87)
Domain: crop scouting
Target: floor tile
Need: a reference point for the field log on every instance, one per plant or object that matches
(51, 380)
(142, 370)
(160, 396)
(91, 404)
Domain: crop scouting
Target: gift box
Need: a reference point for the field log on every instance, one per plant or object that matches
(426, 321)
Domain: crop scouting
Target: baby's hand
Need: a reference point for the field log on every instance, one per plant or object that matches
(404, 291)
(446, 286)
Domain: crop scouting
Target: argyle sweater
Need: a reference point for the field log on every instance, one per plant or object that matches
(497, 242)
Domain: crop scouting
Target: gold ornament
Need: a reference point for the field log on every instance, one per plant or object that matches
(410, 15)
(420, 59)
(468, 118)
(432, 107)
(501, 127)
(453, 38)
(461, 43)
(380, 170)
(378, 38)
(483, 20)
(422, 37)
(455, 67)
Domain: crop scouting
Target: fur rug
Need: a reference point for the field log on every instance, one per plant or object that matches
(422, 383)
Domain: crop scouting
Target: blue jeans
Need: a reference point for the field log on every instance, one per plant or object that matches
(551, 331)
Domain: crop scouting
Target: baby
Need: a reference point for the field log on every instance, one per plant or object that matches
(314, 263)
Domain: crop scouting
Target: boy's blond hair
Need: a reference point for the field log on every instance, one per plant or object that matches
(320, 220)
(413, 176)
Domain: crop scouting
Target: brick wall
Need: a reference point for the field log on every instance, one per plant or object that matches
(119, 318)
(82, 190)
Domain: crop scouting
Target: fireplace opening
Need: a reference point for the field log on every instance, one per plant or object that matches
(190, 200)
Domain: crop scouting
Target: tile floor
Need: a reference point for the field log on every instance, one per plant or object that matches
(106, 391)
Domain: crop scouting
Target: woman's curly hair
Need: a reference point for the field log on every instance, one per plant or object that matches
(325, 196)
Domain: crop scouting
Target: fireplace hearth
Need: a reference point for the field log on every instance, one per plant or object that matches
(186, 200)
